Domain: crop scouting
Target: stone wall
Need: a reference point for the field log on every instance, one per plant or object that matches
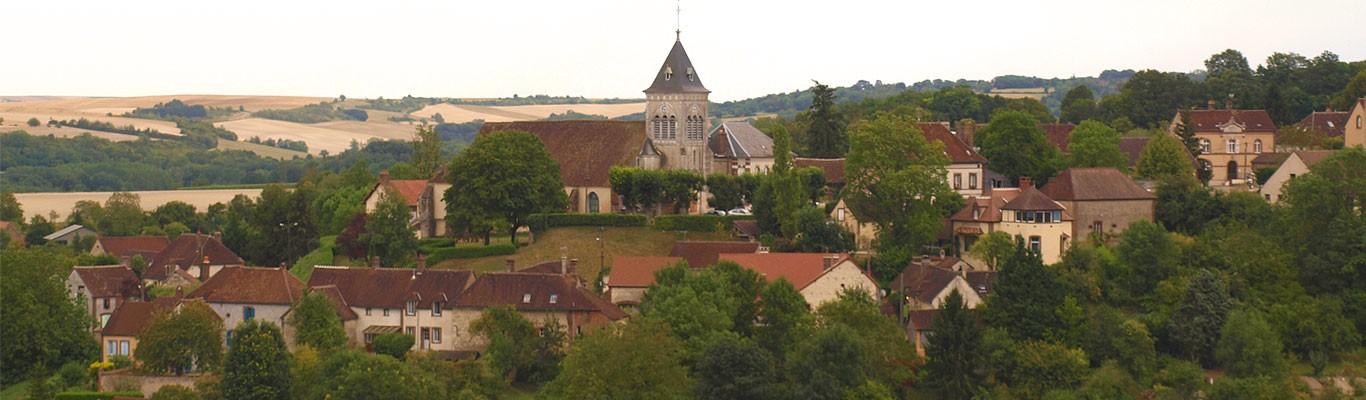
(112, 381)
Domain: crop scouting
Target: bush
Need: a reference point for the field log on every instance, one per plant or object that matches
(73, 375)
(436, 255)
(175, 392)
(393, 344)
(95, 395)
(697, 223)
(541, 222)
(436, 242)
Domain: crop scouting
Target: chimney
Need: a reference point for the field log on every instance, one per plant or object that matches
(827, 261)
(564, 264)
(374, 262)
(925, 260)
(218, 235)
(966, 133)
(283, 267)
(1025, 182)
(384, 175)
(1228, 104)
(512, 265)
(421, 262)
(204, 270)
(573, 266)
(1211, 104)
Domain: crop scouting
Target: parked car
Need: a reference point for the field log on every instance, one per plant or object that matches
(717, 212)
(739, 211)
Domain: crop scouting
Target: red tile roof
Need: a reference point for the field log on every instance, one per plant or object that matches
(1094, 184)
(986, 208)
(1031, 199)
(923, 320)
(957, 151)
(338, 301)
(585, 150)
(534, 292)
(925, 282)
(1311, 157)
(1211, 120)
(833, 167)
(187, 250)
(1133, 147)
(636, 271)
(250, 285)
(800, 269)
(983, 282)
(134, 316)
(700, 254)
(747, 227)
(392, 287)
(1060, 135)
(410, 189)
(128, 246)
(1331, 123)
(109, 280)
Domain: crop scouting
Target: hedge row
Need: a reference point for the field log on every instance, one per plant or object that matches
(95, 395)
(446, 253)
(541, 222)
(436, 242)
(697, 223)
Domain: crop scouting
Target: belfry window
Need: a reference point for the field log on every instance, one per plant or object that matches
(692, 75)
(668, 73)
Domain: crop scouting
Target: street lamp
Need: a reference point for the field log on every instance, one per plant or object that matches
(289, 240)
(602, 250)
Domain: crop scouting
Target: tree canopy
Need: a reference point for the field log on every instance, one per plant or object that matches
(895, 180)
(507, 175)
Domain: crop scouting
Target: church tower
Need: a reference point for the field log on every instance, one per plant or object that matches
(676, 114)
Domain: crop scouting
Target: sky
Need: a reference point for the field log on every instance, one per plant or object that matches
(613, 48)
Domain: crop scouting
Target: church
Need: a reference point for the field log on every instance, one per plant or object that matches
(673, 135)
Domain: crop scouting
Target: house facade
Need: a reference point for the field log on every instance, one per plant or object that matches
(632, 276)
(1355, 133)
(1044, 224)
(103, 289)
(1102, 201)
(241, 294)
(417, 302)
(820, 277)
(925, 283)
(1229, 140)
(540, 298)
(1297, 164)
(190, 255)
(967, 169)
(120, 336)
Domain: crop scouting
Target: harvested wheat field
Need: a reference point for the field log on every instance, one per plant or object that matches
(457, 114)
(101, 105)
(465, 113)
(334, 138)
(21, 115)
(61, 203)
(607, 110)
(260, 149)
(44, 130)
(385, 130)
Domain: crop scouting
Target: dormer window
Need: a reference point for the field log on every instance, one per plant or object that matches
(436, 308)
(412, 307)
(692, 75)
(526, 298)
(554, 298)
(668, 73)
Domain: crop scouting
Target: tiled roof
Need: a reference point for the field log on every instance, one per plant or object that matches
(250, 285)
(410, 189)
(1133, 147)
(187, 250)
(923, 320)
(1311, 157)
(554, 267)
(585, 150)
(684, 77)
(988, 207)
(747, 227)
(134, 316)
(534, 292)
(957, 151)
(925, 282)
(800, 269)
(1269, 159)
(128, 246)
(740, 140)
(833, 167)
(1211, 120)
(109, 280)
(338, 301)
(1058, 134)
(635, 271)
(392, 287)
(9, 228)
(983, 282)
(700, 254)
(1031, 199)
(1089, 184)
(1331, 123)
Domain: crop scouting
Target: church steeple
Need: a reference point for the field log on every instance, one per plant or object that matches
(676, 113)
(677, 75)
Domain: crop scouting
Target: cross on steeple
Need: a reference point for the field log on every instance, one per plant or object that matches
(678, 20)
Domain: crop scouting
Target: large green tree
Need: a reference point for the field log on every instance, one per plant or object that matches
(1231, 78)
(257, 366)
(426, 161)
(1248, 347)
(732, 368)
(188, 337)
(1094, 144)
(788, 195)
(1164, 158)
(516, 347)
(507, 174)
(1150, 98)
(1199, 317)
(1078, 105)
(10, 209)
(34, 300)
(387, 234)
(1027, 296)
(830, 363)
(896, 180)
(954, 351)
(826, 136)
(1016, 147)
(316, 323)
(122, 215)
(783, 317)
(610, 365)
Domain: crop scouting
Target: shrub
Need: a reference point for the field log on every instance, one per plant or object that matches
(175, 392)
(393, 344)
(95, 395)
(436, 255)
(436, 242)
(73, 375)
(541, 222)
(697, 223)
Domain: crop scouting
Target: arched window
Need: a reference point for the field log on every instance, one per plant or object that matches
(1231, 146)
(657, 127)
(1204, 146)
(593, 203)
(1257, 146)
(694, 128)
(671, 127)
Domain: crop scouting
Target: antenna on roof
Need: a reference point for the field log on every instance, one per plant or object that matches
(678, 20)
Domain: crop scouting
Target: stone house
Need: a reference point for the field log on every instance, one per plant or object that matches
(193, 255)
(739, 148)
(1295, 165)
(820, 277)
(1330, 123)
(102, 289)
(1355, 133)
(925, 283)
(631, 276)
(540, 298)
(966, 169)
(1229, 140)
(239, 294)
(1044, 224)
(418, 302)
(1102, 201)
(124, 248)
(120, 336)
(410, 189)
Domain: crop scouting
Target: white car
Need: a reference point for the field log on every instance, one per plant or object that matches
(717, 212)
(739, 211)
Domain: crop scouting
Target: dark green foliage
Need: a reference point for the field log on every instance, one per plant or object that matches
(356, 114)
(437, 255)
(395, 345)
(571, 115)
(189, 337)
(309, 114)
(94, 395)
(1149, 252)
(817, 233)
(34, 281)
(891, 170)
(784, 315)
(726, 192)
(505, 178)
(888, 358)
(387, 234)
(33, 122)
(73, 375)
(1248, 347)
(404, 105)
(825, 135)
(316, 323)
(955, 361)
(1151, 98)
(735, 369)
(1043, 366)
(1254, 388)
(178, 109)
(516, 349)
(697, 223)
(1079, 105)
(360, 376)
(83, 123)
(175, 392)
(1199, 317)
(610, 365)
(427, 157)
(1027, 296)
(257, 366)
(1309, 326)
(10, 209)
(40, 388)
(1093, 144)
(829, 363)
(1109, 382)
(1016, 147)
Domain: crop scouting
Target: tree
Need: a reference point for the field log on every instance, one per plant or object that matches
(257, 366)
(395, 344)
(10, 209)
(1016, 147)
(784, 317)
(387, 235)
(1152, 97)
(817, 233)
(733, 368)
(1151, 254)
(609, 365)
(507, 175)
(1093, 144)
(826, 133)
(316, 323)
(122, 215)
(787, 188)
(175, 211)
(1230, 77)
(1165, 159)
(359, 376)
(1078, 105)
(680, 188)
(887, 357)
(1043, 366)
(33, 122)
(1027, 296)
(426, 159)
(1199, 317)
(516, 348)
(33, 292)
(829, 363)
(1355, 89)
(992, 248)
(955, 362)
(726, 193)
(188, 337)
(1248, 347)
(895, 179)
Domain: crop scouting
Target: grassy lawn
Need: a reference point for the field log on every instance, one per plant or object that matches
(16, 391)
(581, 242)
(321, 256)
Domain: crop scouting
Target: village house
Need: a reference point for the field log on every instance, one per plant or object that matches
(631, 276)
(102, 289)
(1102, 201)
(1133, 147)
(926, 282)
(124, 248)
(120, 336)
(68, 234)
(540, 298)
(240, 294)
(1229, 139)
(190, 258)
(739, 148)
(1355, 133)
(1295, 165)
(1329, 123)
(417, 302)
(349, 318)
(833, 168)
(967, 168)
(820, 277)
(704, 254)
(425, 198)
(409, 189)
(1044, 224)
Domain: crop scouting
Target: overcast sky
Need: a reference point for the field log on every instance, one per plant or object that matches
(742, 49)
